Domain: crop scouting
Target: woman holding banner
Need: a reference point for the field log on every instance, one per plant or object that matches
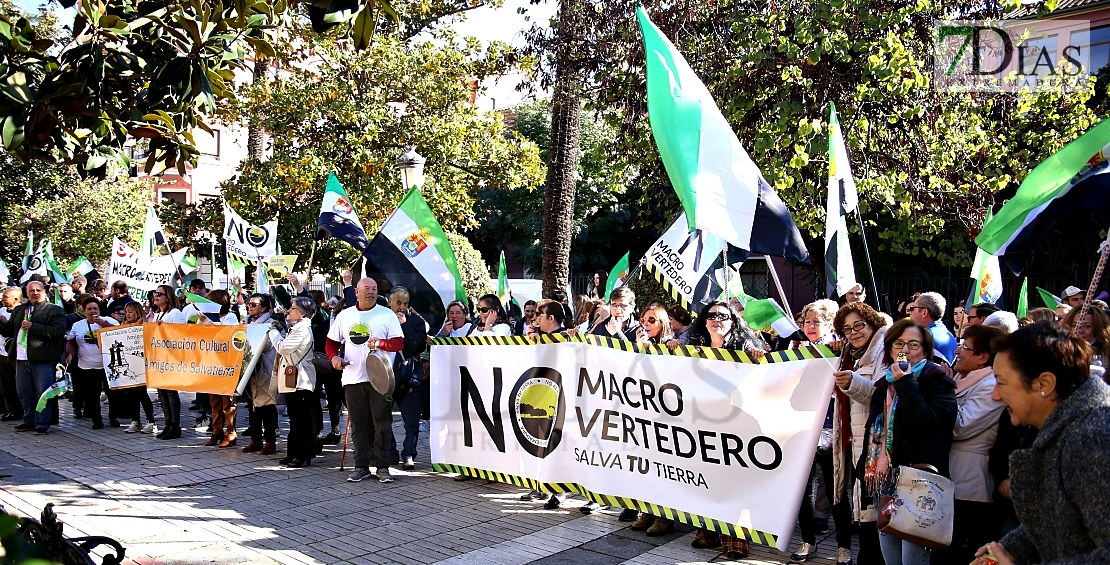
(294, 352)
(224, 408)
(165, 310)
(262, 411)
(137, 398)
(719, 326)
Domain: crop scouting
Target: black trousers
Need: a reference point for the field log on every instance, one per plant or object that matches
(333, 388)
(371, 426)
(869, 551)
(87, 384)
(10, 402)
(302, 440)
(137, 401)
(842, 513)
(972, 528)
(262, 423)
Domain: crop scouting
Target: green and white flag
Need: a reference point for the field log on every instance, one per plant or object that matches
(503, 292)
(5, 274)
(618, 276)
(767, 316)
(80, 267)
(154, 243)
(33, 261)
(412, 251)
(719, 185)
(1023, 299)
(203, 306)
(840, 272)
(53, 391)
(52, 264)
(57, 297)
(987, 275)
(1050, 300)
(188, 264)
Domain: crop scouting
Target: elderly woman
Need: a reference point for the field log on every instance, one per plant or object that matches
(817, 325)
(912, 414)
(1059, 484)
(862, 362)
(294, 355)
(456, 324)
(974, 435)
(262, 414)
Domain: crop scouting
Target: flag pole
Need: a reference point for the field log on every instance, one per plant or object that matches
(778, 285)
(1098, 275)
(867, 255)
(311, 256)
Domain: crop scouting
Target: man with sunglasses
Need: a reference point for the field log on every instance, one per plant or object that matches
(359, 331)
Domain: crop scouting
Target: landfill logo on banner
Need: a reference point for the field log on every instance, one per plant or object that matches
(538, 410)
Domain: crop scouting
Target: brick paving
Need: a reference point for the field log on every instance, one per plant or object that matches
(178, 502)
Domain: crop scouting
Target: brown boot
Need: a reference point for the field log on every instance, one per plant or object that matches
(706, 539)
(214, 440)
(643, 522)
(268, 449)
(661, 527)
(229, 440)
(252, 447)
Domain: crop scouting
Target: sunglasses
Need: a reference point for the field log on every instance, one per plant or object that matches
(648, 320)
(160, 294)
(718, 316)
(484, 309)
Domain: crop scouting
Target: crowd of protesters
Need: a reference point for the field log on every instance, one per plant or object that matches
(1004, 407)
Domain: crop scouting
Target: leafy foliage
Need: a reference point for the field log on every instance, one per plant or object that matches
(80, 216)
(355, 113)
(472, 269)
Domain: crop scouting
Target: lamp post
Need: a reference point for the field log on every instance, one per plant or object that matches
(411, 165)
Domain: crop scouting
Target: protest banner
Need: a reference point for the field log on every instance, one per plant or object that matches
(247, 242)
(704, 436)
(194, 357)
(122, 351)
(126, 265)
(680, 259)
(279, 266)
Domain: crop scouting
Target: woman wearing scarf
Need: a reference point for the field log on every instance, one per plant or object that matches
(262, 414)
(817, 325)
(861, 364)
(974, 435)
(913, 412)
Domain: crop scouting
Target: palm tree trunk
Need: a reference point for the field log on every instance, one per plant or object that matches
(256, 137)
(562, 160)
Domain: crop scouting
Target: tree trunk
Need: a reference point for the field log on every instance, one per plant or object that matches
(562, 160)
(256, 137)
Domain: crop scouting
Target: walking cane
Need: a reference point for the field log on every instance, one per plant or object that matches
(346, 434)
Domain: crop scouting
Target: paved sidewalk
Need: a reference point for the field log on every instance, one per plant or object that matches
(177, 501)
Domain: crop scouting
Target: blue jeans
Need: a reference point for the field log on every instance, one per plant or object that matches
(897, 551)
(409, 405)
(31, 380)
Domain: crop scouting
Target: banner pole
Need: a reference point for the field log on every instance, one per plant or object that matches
(778, 285)
(867, 255)
(311, 256)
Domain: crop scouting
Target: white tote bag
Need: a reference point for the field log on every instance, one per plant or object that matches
(921, 509)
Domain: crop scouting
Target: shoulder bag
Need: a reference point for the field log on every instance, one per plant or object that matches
(921, 508)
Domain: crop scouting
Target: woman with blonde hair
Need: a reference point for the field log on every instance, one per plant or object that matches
(583, 307)
(655, 326)
(1092, 327)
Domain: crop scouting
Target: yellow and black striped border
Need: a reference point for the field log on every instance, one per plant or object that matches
(800, 354)
(667, 285)
(696, 520)
(244, 260)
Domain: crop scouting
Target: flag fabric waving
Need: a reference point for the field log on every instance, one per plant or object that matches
(247, 242)
(81, 266)
(1049, 192)
(1050, 300)
(5, 274)
(1023, 300)
(412, 251)
(33, 261)
(154, 243)
(767, 316)
(52, 265)
(720, 187)
(840, 272)
(338, 218)
(618, 276)
(987, 275)
(503, 292)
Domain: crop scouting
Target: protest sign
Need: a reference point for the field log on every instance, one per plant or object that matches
(258, 337)
(194, 357)
(679, 260)
(279, 266)
(126, 265)
(703, 436)
(122, 351)
(247, 242)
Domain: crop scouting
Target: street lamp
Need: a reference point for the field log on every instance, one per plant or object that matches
(412, 169)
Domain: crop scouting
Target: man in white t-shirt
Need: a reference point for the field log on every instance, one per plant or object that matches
(10, 407)
(88, 374)
(358, 331)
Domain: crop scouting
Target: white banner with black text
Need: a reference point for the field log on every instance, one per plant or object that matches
(705, 436)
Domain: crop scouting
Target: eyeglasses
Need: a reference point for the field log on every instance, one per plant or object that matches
(717, 316)
(912, 345)
(648, 320)
(966, 348)
(254, 304)
(160, 294)
(484, 309)
(856, 327)
(912, 308)
(621, 305)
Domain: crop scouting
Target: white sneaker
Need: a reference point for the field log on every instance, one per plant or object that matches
(103, 398)
(843, 556)
(133, 428)
(803, 553)
(150, 428)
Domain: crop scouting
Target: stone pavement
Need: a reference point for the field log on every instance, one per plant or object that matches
(176, 501)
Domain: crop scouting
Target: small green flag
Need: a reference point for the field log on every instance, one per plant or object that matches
(766, 316)
(57, 297)
(1050, 300)
(503, 281)
(53, 391)
(618, 276)
(1023, 299)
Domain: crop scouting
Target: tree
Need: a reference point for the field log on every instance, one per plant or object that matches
(354, 112)
(475, 277)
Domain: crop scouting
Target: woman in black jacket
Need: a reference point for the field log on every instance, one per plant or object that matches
(913, 413)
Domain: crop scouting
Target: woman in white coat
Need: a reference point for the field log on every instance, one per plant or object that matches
(974, 435)
(295, 355)
(861, 365)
